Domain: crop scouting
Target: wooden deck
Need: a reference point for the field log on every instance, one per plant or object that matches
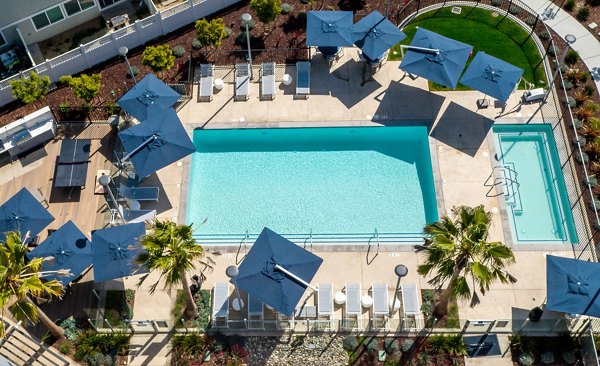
(36, 170)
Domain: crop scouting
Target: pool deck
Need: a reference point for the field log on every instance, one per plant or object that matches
(342, 96)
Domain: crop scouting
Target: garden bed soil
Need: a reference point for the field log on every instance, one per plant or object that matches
(450, 320)
(287, 32)
(556, 345)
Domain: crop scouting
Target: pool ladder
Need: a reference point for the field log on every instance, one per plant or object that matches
(510, 185)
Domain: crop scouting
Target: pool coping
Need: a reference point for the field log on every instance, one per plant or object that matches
(503, 210)
(367, 247)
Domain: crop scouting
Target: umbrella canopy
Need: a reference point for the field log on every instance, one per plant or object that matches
(573, 286)
(436, 57)
(156, 143)
(329, 28)
(492, 76)
(259, 277)
(374, 35)
(70, 249)
(147, 97)
(114, 251)
(23, 213)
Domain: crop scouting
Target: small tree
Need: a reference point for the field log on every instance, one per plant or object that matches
(158, 58)
(267, 10)
(210, 33)
(85, 87)
(30, 90)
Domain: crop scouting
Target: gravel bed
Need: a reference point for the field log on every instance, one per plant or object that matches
(296, 350)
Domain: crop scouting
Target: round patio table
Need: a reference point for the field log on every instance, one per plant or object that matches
(340, 298)
(287, 79)
(366, 301)
(395, 304)
(219, 84)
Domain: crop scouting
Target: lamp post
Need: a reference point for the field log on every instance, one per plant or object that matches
(104, 181)
(123, 52)
(570, 39)
(401, 271)
(232, 272)
(246, 18)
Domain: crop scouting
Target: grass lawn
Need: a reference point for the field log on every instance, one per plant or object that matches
(485, 31)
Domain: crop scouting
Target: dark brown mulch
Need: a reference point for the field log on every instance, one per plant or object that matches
(287, 32)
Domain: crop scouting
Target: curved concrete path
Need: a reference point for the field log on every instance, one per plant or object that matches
(563, 23)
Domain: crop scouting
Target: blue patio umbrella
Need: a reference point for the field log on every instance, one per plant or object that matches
(156, 142)
(277, 271)
(492, 76)
(23, 213)
(374, 35)
(114, 251)
(436, 57)
(147, 97)
(573, 286)
(69, 248)
(329, 28)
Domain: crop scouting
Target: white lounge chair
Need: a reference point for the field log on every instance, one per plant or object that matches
(242, 81)
(133, 216)
(381, 305)
(267, 80)
(139, 193)
(220, 310)
(410, 303)
(302, 79)
(205, 89)
(325, 303)
(353, 310)
(256, 315)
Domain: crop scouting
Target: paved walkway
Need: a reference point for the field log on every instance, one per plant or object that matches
(563, 23)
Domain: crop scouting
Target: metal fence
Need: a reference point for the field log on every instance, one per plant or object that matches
(277, 55)
(589, 354)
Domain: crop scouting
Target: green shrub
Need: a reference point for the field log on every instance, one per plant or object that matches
(95, 359)
(133, 71)
(544, 35)
(584, 77)
(514, 9)
(202, 317)
(570, 5)
(112, 108)
(158, 58)
(64, 107)
(547, 358)
(286, 8)
(196, 44)
(85, 87)
(571, 57)
(407, 345)
(90, 343)
(583, 13)
(391, 345)
(530, 20)
(70, 327)
(455, 345)
(30, 90)
(571, 102)
(551, 51)
(437, 343)
(589, 90)
(569, 357)
(500, 2)
(210, 33)
(350, 343)
(583, 158)
(522, 343)
(192, 344)
(372, 345)
(109, 360)
(65, 347)
(228, 32)
(266, 10)
(526, 359)
(179, 51)
(567, 85)
(423, 358)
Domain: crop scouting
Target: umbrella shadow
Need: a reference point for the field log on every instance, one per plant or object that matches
(462, 129)
(33, 155)
(163, 203)
(405, 105)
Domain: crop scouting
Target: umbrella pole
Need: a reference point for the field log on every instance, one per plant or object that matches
(142, 145)
(295, 277)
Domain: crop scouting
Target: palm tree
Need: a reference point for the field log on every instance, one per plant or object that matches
(171, 250)
(457, 249)
(20, 280)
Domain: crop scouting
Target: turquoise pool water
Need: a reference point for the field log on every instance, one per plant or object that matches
(319, 180)
(536, 196)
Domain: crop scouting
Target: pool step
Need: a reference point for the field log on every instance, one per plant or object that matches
(508, 179)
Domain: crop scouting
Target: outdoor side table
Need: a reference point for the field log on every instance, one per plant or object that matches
(134, 205)
(396, 305)
(340, 298)
(287, 79)
(219, 84)
(366, 301)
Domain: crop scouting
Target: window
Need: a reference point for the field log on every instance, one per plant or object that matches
(48, 17)
(73, 7)
(105, 3)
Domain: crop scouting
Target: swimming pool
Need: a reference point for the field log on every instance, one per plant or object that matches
(312, 180)
(535, 193)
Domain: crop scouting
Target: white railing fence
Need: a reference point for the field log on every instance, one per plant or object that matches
(106, 47)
